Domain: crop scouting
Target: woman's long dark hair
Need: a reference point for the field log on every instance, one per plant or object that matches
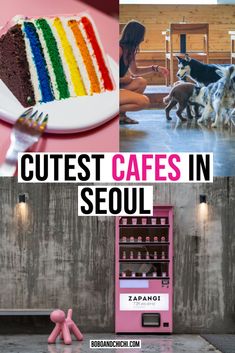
(131, 37)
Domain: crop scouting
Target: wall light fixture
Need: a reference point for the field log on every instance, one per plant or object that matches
(23, 197)
(202, 199)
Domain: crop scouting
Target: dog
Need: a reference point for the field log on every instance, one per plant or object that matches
(203, 74)
(218, 97)
(180, 95)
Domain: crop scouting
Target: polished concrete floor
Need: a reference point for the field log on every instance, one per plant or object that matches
(155, 134)
(226, 343)
(150, 344)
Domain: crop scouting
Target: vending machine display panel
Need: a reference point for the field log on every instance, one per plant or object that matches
(144, 272)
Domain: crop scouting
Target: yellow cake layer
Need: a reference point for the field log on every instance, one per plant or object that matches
(76, 79)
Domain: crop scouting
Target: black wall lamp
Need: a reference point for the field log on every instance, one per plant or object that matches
(23, 197)
(202, 199)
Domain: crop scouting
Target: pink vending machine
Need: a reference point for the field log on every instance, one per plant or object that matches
(144, 272)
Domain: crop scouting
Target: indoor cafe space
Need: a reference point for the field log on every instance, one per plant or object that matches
(195, 31)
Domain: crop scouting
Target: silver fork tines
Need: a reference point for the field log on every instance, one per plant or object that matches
(25, 133)
(27, 112)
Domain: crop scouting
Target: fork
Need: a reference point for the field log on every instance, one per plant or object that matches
(25, 133)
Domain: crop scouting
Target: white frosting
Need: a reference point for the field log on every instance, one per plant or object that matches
(18, 18)
(32, 70)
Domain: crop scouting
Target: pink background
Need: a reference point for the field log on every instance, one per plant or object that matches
(102, 139)
(110, 7)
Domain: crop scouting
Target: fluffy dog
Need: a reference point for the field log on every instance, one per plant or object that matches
(180, 95)
(199, 72)
(218, 97)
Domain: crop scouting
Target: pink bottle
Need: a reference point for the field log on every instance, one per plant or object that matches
(155, 255)
(147, 255)
(147, 239)
(64, 327)
(131, 255)
(155, 239)
(124, 255)
(134, 221)
(139, 239)
(133, 274)
(139, 255)
(132, 239)
(123, 274)
(144, 221)
(124, 221)
(124, 239)
(163, 239)
(154, 221)
(163, 255)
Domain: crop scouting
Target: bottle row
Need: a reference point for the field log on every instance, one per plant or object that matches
(141, 239)
(143, 274)
(141, 256)
(144, 221)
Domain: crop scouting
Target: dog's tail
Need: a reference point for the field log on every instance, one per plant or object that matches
(167, 99)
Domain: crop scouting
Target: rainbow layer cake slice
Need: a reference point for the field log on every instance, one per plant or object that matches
(53, 58)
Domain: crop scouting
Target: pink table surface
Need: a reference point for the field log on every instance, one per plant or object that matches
(102, 139)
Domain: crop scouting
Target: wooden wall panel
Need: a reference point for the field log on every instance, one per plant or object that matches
(156, 18)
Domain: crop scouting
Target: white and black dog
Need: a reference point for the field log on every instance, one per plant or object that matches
(199, 72)
(218, 96)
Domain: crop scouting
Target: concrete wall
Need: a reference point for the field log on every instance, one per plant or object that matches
(204, 246)
(50, 258)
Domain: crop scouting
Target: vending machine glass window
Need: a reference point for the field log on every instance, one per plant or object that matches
(144, 272)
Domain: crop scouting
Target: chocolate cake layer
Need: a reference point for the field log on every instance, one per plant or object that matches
(14, 68)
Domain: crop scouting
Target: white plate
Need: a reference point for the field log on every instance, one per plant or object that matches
(68, 115)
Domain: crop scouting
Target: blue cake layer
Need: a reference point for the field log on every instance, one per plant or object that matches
(40, 62)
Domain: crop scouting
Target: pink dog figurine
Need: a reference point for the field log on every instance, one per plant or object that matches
(63, 327)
